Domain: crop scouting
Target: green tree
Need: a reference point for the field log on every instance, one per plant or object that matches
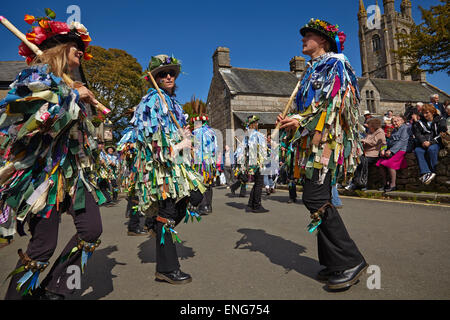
(195, 107)
(115, 78)
(427, 48)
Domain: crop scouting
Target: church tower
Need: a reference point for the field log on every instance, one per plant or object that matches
(377, 39)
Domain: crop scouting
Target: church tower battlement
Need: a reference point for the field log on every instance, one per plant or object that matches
(377, 34)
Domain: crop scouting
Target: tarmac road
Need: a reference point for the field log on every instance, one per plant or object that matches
(236, 255)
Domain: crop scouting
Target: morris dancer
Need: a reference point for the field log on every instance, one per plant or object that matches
(327, 141)
(251, 156)
(113, 169)
(205, 158)
(164, 180)
(126, 147)
(50, 158)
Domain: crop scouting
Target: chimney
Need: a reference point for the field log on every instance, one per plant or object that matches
(297, 66)
(221, 59)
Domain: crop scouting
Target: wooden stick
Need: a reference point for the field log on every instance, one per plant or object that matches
(38, 52)
(164, 100)
(286, 109)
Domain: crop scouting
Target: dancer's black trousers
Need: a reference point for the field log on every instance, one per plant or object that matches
(166, 254)
(241, 181)
(43, 242)
(337, 251)
(254, 201)
(207, 197)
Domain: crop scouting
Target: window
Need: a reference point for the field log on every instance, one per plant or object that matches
(370, 101)
(376, 43)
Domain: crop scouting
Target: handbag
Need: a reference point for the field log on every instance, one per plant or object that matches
(362, 172)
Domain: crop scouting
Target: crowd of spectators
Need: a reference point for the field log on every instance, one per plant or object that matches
(423, 129)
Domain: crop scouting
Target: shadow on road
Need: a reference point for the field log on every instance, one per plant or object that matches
(237, 205)
(283, 199)
(147, 251)
(279, 251)
(98, 275)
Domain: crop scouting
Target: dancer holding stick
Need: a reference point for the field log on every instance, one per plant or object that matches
(37, 52)
(50, 156)
(325, 134)
(166, 182)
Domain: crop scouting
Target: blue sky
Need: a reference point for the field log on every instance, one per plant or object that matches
(259, 34)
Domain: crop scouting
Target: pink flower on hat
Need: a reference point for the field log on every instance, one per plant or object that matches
(342, 38)
(58, 27)
(24, 51)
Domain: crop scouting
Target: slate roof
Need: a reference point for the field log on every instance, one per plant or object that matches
(259, 82)
(401, 90)
(264, 117)
(10, 69)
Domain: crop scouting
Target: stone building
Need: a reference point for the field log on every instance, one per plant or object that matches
(383, 85)
(236, 93)
(8, 72)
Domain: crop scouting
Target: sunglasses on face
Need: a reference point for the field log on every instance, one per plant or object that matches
(164, 74)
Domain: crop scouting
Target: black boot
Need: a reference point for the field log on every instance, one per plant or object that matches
(347, 278)
(47, 295)
(174, 277)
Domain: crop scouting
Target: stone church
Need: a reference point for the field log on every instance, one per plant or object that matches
(235, 93)
(383, 86)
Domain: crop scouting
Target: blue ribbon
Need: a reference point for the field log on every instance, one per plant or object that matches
(338, 43)
(313, 225)
(162, 235)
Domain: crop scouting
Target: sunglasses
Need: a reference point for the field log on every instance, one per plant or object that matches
(164, 74)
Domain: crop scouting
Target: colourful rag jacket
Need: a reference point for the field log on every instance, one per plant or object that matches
(48, 145)
(252, 153)
(107, 170)
(160, 173)
(205, 152)
(327, 104)
(127, 150)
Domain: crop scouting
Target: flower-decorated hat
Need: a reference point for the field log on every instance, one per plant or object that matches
(200, 118)
(163, 62)
(49, 33)
(251, 119)
(110, 146)
(330, 32)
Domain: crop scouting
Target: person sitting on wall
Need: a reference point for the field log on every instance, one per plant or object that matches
(393, 158)
(373, 143)
(428, 142)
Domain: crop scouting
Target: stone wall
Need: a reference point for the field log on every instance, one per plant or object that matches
(396, 107)
(218, 105)
(408, 179)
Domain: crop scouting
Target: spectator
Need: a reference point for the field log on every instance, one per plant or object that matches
(409, 109)
(388, 116)
(367, 116)
(373, 143)
(428, 142)
(335, 200)
(388, 126)
(417, 113)
(393, 158)
(227, 166)
(447, 111)
(434, 99)
(446, 105)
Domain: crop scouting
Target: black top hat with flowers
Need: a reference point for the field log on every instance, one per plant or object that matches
(49, 33)
(330, 32)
